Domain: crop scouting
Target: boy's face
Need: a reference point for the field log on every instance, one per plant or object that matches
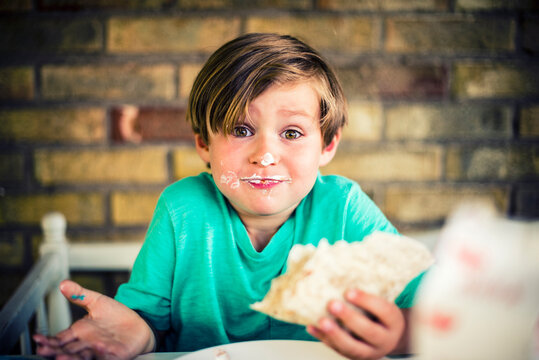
(270, 162)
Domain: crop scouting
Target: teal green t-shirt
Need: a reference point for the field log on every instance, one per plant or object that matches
(197, 271)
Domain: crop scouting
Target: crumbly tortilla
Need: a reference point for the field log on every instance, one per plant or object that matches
(382, 264)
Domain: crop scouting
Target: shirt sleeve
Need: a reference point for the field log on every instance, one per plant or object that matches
(148, 290)
(407, 296)
(363, 217)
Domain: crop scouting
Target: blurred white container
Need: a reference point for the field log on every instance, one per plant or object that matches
(481, 299)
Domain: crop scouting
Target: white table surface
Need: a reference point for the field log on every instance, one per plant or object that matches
(262, 349)
(175, 355)
(161, 356)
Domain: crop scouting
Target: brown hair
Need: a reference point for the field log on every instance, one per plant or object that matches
(243, 68)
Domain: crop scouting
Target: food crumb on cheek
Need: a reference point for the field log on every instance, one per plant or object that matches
(230, 179)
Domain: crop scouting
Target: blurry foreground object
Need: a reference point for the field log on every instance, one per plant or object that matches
(481, 299)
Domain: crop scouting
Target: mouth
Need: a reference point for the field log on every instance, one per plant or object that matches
(266, 181)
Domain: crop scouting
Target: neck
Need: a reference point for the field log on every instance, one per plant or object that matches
(260, 238)
(262, 228)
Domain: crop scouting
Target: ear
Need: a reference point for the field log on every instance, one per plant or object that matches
(329, 151)
(203, 149)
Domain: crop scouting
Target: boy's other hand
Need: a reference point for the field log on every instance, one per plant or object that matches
(109, 330)
(357, 335)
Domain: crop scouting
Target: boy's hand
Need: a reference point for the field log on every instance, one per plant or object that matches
(109, 330)
(354, 334)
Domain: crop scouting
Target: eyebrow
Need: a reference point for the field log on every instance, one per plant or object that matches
(291, 112)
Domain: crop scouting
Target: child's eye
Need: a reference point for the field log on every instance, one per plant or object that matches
(291, 134)
(241, 131)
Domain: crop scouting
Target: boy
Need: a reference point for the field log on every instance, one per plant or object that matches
(267, 112)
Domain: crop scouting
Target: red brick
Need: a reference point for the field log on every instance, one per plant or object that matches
(147, 124)
(393, 81)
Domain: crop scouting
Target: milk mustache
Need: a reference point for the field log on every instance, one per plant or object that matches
(480, 301)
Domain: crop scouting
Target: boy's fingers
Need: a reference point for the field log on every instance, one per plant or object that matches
(331, 334)
(372, 304)
(48, 341)
(86, 354)
(357, 323)
(66, 336)
(46, 351)
(77, 294)
(76, 347)
(40, 339)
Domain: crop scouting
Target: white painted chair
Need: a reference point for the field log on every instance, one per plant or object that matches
(38, 296)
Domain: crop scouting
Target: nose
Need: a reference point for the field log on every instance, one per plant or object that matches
(263, 154)
(267, 159)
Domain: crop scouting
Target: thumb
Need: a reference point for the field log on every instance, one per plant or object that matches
(78, 295)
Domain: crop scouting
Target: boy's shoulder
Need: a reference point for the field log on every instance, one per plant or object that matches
(334, 191)
(198, 187)
(335, 183)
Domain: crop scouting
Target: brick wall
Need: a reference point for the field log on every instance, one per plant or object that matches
(444, 104)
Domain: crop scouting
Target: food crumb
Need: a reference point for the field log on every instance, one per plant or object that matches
(220, 354)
